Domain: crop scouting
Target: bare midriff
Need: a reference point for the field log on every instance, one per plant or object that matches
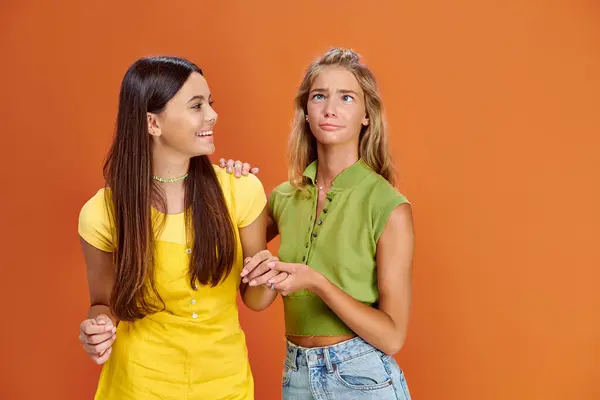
(318, 341)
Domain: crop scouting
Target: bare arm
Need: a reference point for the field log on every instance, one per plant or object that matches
(100, 277)
(272, 230)
(98, 332)
(253, 238)
(385, 328)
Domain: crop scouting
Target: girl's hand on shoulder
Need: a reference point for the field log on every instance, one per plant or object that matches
(237, 168)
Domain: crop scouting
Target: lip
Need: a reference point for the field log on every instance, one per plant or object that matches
(330, 127)
(208, 139)
(202, 133)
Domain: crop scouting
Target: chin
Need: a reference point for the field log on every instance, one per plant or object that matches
(329, 139)
(205, 150)
(336, 138)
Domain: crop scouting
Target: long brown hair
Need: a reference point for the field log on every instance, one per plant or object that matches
(373, 146)
(147, 86)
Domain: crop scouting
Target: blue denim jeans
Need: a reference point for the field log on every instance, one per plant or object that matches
(349, 370)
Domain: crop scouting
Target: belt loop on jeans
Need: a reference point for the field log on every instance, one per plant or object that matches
(292, 357)
(327, 360)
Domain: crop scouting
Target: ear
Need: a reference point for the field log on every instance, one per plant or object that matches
(365, 121)
(153, 127)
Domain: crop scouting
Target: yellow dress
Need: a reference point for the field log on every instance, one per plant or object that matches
(195, 349)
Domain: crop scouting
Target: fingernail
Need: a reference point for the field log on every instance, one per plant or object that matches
(229, 170)
(245, 280)
(244, 272)
(271, 281)
(252, 283)
(271, 264)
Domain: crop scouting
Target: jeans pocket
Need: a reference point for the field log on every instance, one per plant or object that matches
(365, 372)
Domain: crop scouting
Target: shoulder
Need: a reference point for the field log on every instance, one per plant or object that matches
(401, 215)
(385, 200)
(245, 195)
(223, 178)
(94, 224)
(238, 186)
(95, 207)
(398, 227)
(280, 198)
(284, 189)
(282, 193)
(383, 192)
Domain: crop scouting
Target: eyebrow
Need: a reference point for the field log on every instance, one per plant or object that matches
(197, 97)
(342, 91)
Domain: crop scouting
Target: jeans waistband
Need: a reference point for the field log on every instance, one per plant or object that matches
(326, 356)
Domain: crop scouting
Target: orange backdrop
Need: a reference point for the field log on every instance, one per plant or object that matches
(493, 109)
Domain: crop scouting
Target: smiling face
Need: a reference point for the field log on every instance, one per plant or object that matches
(336, 107)
(186, 124)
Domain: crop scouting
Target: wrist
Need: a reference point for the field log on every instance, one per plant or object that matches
(318, 283)
(99, 309)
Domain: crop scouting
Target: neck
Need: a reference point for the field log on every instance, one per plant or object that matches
(167, 165)
(331, 160)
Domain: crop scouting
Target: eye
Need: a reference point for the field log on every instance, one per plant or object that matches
(318, 96)
(199, 105)
(347, 98)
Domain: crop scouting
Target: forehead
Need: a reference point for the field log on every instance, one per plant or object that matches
(336, 78)
(195, 85)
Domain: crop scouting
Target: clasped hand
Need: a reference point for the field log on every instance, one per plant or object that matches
(265, 269)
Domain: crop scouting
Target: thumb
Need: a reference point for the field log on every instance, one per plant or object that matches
(103, 319)
(281, 266)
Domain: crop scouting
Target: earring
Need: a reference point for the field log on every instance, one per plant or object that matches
(306, 118)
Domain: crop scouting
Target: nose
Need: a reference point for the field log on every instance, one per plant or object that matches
(211, 117)
(329, 109)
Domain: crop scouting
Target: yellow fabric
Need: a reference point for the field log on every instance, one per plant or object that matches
(195, 349)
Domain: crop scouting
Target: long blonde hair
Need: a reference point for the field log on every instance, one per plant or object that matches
(373, 143)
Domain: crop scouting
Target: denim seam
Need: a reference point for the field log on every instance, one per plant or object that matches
(338, 361)
(287, 375)
(402, 380)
